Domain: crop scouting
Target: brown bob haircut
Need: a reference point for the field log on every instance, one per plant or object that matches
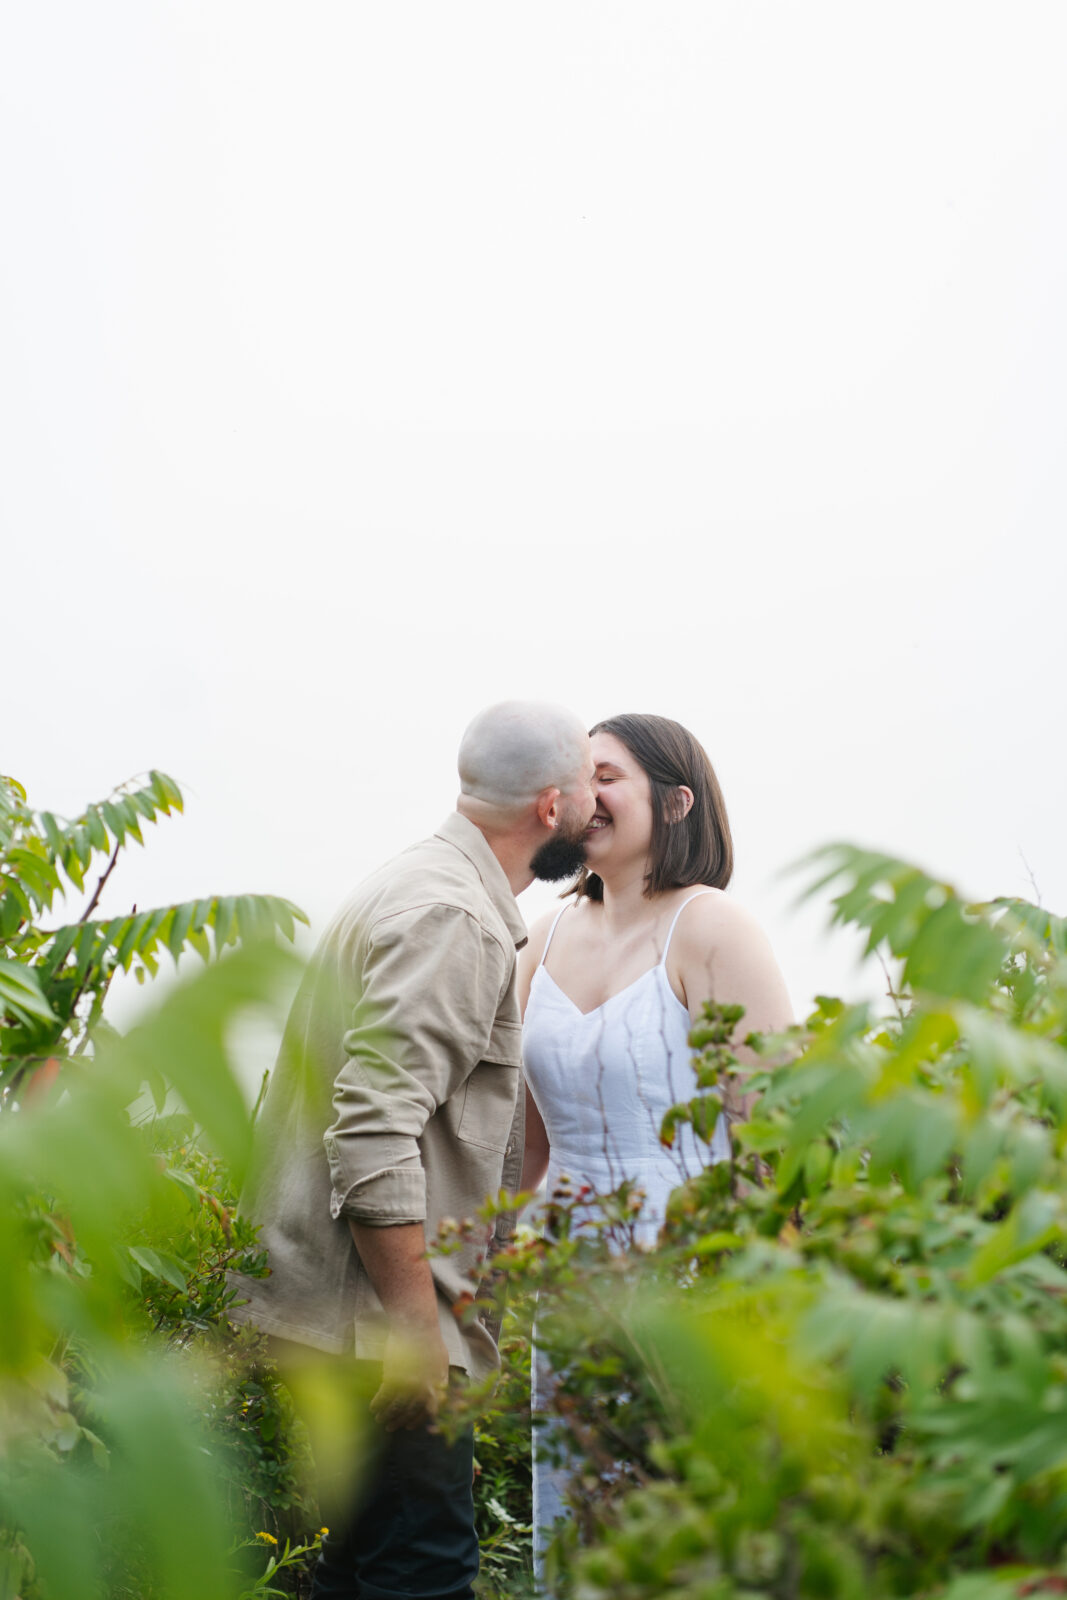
(697, 848)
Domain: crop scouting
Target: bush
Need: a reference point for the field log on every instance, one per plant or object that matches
(113, 1236)
(843, 1370)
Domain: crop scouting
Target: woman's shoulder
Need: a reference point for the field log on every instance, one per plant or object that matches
(723, 950)
(541, 928)
(713, 916)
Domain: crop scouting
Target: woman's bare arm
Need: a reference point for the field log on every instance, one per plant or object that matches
(720, 952)
(535, 1155)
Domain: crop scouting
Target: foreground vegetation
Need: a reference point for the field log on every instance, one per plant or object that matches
(842, 1371)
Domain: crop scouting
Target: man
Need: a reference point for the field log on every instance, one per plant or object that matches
(395, 1103)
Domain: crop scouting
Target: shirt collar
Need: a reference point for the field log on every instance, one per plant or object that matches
(471, 842)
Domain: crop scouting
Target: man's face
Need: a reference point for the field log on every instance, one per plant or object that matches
(561, 856)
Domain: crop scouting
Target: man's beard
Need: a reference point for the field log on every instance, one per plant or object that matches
(559, 857)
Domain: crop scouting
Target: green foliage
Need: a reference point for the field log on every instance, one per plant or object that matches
(178, 1298)
(53, 981)
(285, 1560)
(843, 1369)
(502, 1492)
(116, 1222)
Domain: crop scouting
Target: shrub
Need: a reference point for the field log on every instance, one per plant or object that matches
(110, 1234)
(843, 1369)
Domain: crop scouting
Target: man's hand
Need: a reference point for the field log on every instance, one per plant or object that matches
(415, 1364)
(414, 1378)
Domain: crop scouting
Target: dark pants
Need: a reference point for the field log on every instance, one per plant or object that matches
(405, 1529)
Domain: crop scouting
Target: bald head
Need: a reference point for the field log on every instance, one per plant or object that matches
(513, 751)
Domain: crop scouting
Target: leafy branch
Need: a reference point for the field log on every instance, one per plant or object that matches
(47, 973)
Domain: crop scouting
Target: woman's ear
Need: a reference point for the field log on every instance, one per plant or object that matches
(679, 803)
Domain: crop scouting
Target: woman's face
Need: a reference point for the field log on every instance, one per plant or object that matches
(621, 830)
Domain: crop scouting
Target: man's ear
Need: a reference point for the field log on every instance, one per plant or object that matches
(547, 807)
(679, 803)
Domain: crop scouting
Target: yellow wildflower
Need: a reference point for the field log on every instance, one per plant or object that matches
(323, 1532)
(269, 1537)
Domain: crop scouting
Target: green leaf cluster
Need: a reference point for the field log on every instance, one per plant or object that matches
(117, 1438)
(842, 1371)
(54, 979)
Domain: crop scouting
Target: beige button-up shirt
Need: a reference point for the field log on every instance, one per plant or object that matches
(396, 1097)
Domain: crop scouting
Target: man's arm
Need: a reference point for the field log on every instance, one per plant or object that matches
(430, 984)
(415, 1365)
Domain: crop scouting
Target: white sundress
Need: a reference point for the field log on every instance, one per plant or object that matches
(602, 1081)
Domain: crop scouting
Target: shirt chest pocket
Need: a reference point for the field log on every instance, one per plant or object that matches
(491, 1092)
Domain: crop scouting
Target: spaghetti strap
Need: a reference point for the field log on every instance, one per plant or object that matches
(674, 924)
(551, 933)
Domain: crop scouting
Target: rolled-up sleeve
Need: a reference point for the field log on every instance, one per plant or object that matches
(430, 981)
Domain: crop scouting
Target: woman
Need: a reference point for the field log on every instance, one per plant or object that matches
(611, 984)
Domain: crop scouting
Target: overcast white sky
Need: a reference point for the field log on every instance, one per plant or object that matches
(362, 365)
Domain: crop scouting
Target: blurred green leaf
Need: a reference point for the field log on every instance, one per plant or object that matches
(21, 994)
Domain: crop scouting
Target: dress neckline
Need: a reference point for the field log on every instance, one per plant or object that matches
(661, 964)
(659, 967)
